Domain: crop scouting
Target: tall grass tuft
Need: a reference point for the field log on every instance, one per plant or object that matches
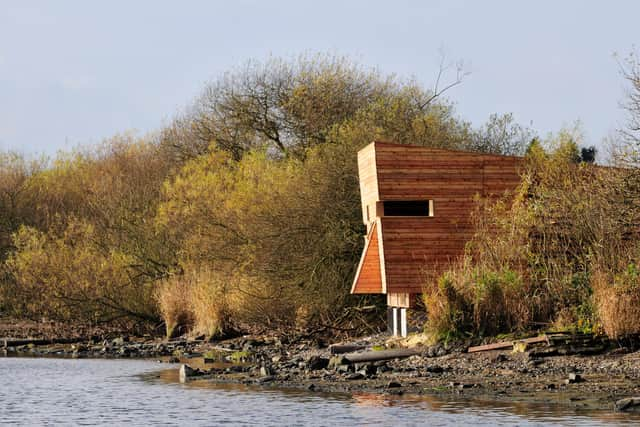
(208, 301)
(194, 302)
(617, 298)
(470, 299)
(173, 300)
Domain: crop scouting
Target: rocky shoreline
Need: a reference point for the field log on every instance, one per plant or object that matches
(595, 382)
(589, 382)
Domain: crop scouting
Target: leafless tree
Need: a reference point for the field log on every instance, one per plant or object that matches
(627, 149)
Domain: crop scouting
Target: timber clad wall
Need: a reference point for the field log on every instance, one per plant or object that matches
(369, 272)
(410, 248)
(368, 182)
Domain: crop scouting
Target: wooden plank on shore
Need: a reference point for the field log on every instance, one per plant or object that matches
(506, 344)
(374, 356)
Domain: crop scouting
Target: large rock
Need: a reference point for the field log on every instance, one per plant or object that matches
(265, 371)
(187, 372)
(628, 404)
(366, 369)
(574, 378)
(435, 369)
(316, 363)
(355, 376)
(337, 361)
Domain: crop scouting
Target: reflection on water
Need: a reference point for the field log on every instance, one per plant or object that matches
(115, 392)
(547, 413)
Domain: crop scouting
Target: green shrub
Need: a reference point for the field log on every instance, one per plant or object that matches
(480, 302)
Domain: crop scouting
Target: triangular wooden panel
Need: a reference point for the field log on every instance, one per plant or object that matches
(368, 278)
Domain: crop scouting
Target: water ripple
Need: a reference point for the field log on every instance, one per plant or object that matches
(102, 392)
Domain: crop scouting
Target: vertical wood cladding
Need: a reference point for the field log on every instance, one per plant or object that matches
(414, 247)
(368, 183)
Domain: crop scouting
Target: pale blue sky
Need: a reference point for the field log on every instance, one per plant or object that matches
(75, 72)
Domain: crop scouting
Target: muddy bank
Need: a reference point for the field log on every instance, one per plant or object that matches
(52, 339)
(45, 329)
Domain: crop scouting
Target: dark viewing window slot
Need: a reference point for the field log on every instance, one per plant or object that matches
(406, 208)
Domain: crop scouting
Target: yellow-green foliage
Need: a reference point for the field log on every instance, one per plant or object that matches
(89, 250)
(282, 233)
(68, 277)
(16, 209)
(209, 300)
(446, 309)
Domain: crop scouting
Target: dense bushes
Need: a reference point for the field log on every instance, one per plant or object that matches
(549, 254)
(470, 299)
(88, 249)
(282, 234)
(68, 278)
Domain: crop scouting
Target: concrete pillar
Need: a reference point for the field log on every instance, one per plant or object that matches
(397, 321)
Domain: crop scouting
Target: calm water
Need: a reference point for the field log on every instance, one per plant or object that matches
(103, 392)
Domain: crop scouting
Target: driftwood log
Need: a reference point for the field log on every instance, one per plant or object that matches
(375, 356)
(9, 342)
(345, 348)
(627, 404)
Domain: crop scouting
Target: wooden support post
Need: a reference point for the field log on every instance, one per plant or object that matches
(398, 304)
